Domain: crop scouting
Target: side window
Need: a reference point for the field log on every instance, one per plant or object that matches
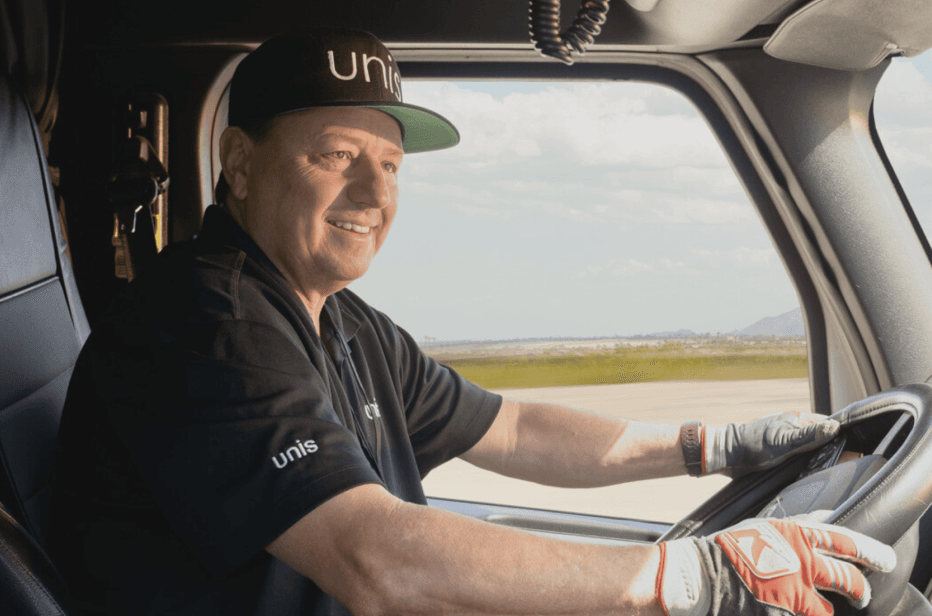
(589, 244)
(903, 114)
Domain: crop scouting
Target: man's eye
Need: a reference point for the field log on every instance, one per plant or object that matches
(340, 155)
(390, 167)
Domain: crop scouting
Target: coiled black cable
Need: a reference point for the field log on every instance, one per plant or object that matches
(544, 21)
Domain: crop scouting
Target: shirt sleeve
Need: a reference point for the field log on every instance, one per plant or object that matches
(235, 435)
(446, 414)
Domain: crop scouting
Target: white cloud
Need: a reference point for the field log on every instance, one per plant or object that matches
(630, 266)
(742, 256)
(593, 202)
(904, 95)
(903, 112)
(616, 269)
(903, 107)
(599, 152)
(643, 141)
(908, 147)
(588, 123)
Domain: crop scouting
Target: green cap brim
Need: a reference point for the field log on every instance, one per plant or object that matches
(424, 130)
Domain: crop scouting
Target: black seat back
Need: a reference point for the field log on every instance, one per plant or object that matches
(42, 324)
(42, 329)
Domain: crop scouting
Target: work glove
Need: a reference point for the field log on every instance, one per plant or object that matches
(768, 568)
(737, 449)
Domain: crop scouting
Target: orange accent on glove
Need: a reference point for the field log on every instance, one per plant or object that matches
(785, 563)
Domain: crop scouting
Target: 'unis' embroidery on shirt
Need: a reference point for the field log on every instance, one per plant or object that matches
(372, 410)
(300, 450)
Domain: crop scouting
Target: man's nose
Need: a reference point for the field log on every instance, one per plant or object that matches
(370, 185)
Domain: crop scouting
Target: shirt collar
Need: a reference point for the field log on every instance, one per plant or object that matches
(341, 320)
(221, 228)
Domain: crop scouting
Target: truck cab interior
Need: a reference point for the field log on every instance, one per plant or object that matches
(109, 118)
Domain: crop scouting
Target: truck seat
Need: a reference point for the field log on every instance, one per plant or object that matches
(42, 329)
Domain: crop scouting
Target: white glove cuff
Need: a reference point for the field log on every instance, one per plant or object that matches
(682, 584)
(713, 449)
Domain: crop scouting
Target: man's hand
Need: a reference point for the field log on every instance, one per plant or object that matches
(768, 568)
(737, 449)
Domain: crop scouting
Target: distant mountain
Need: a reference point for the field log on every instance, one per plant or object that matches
(787, 324)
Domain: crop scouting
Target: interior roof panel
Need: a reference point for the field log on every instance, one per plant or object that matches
(710, 24)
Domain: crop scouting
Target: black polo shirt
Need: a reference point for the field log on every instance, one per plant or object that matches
(206, 416)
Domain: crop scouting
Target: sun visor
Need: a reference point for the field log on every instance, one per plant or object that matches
(853, 35)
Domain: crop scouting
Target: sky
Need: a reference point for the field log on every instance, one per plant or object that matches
(596, 209)
(903, 112)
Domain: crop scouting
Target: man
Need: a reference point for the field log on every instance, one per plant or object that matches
(246, 436)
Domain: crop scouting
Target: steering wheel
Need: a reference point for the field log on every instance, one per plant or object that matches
(881, 494)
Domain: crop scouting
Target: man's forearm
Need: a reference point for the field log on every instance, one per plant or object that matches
(560, 446)
(403, 558)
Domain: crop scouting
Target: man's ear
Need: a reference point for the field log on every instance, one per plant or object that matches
(235, 152)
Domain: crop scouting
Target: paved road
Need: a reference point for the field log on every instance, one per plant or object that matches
(713, 402)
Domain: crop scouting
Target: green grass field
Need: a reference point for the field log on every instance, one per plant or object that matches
(670, 362)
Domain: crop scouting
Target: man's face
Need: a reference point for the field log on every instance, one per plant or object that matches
(322, 192)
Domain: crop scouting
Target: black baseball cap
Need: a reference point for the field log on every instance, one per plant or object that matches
(331, 67)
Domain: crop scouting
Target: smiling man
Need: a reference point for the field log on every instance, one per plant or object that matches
(244, 435)
(318, 193)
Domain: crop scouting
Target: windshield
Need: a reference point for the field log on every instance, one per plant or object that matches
(589, 244)
(573, 210)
